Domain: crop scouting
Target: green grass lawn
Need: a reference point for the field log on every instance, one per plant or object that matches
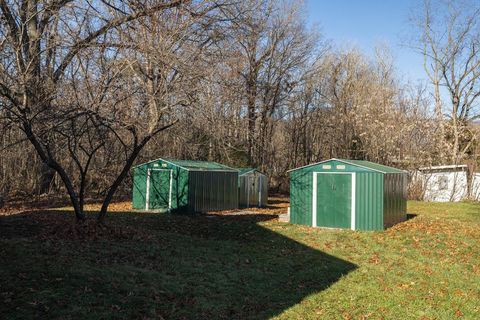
(243, 267)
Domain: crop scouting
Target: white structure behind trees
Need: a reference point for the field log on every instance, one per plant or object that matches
(448, 183)
(476, 186)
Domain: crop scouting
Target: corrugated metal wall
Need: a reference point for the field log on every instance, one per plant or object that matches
(139, 187)
(180, 189)
(264, 194)
(212, 190)
(253, 190)
(395, 195)
(301, 196)
(369, 201)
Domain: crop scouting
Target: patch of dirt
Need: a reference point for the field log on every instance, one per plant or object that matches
(121, 206)
(276, 206)
(15, 206)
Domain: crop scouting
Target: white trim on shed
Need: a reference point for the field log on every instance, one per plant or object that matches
(352, 201)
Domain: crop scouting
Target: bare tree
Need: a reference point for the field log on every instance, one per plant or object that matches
(274, 47)
(86, 87)
(44, 44)
(449, 42)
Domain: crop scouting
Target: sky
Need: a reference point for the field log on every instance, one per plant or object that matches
(366, 23)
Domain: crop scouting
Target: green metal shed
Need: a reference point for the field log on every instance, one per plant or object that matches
(353, 194)
(184, 186)
(252, 188)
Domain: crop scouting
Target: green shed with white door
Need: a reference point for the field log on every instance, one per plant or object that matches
(349, 194)
(184, 186)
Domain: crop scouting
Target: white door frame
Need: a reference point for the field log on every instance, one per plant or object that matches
(260, 186)
(352, 205)
(247, 178)
(147, 196)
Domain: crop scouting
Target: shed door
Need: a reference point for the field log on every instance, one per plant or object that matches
(334, 200)
(252, 191)
(159, 195)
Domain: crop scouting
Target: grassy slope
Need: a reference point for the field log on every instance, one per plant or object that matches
(250, 268)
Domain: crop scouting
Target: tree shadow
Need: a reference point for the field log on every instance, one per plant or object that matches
(191, 267)
(276, 201)
(35, 202)
(411, 216)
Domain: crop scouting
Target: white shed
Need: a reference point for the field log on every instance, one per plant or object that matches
(476, 186)
(448, 183)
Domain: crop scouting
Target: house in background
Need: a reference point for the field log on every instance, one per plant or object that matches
(448, 183)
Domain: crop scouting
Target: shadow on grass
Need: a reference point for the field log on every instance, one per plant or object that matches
(277, 201)
(411, 216)
(192, 267)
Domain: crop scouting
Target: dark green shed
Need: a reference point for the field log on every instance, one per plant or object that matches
(184, 186)
(353, 194)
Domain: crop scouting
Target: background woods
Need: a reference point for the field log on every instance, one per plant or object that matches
(88, 88)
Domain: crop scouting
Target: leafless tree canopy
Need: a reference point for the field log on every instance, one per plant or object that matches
(448, 37)
(89, 88)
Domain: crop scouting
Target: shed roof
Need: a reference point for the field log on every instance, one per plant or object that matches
(198, 165)
(360, 163)
(445, 167)
(195, 165)
(375, 166)
(242, 171)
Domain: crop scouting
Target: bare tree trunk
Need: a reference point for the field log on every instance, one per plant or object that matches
(46, 178)
(251, 108)
(126, 168)
(46, 157)
(118, 181)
